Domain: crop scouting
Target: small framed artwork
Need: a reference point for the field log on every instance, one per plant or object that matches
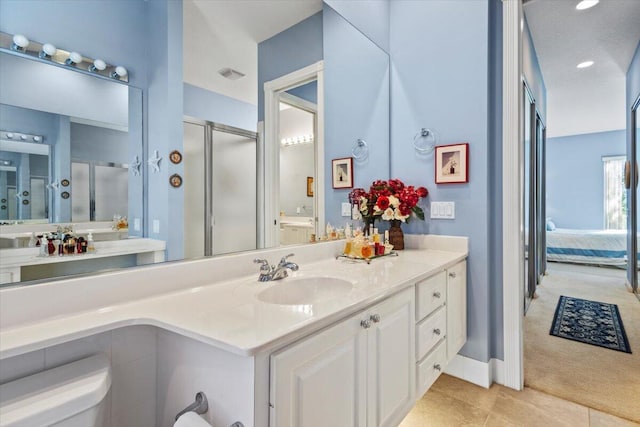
(65, 182)
(25, 202)
(175, 180)
(25, 193)
(342, 172)
(309, 186)
(452, 163)
(175, 156)
(65, 195)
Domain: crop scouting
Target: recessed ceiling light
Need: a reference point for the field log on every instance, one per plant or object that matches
(585, 64)
(586, 4)
(230, 73)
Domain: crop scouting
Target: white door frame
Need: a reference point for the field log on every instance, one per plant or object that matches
(272, 92)
(512, 193)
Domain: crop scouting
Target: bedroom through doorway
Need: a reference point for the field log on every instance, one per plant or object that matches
(579, 241)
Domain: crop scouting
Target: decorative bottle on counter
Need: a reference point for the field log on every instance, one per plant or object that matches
(90, 245)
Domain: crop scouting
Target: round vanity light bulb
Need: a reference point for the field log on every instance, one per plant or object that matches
(20, 41)
(37, 138)
(23, 137)
(10, 135)
(49, 49)
(121, 71)
(99, 64)
(74, 58)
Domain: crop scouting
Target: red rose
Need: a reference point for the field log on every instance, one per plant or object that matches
(383, 203)
(404, 209)
(422, 192)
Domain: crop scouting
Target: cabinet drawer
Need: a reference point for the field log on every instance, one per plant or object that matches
(430, 331)
(430, 368)
(431, 293)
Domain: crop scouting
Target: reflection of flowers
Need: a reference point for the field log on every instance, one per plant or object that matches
(388, 200)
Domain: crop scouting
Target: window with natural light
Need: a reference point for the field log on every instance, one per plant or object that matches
(615, 196)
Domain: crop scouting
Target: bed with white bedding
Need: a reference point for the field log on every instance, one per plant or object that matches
(598, 247)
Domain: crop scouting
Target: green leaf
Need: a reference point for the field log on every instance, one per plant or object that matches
(419, 212)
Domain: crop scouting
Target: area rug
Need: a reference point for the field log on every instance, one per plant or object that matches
(590, 322)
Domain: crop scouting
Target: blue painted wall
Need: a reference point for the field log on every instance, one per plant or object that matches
(288, 51)
(575, 180)
(440, 80)
(359, 93)
(533, 73)
(307, 92)
(371, 17)
(207, 105)
(495, 179)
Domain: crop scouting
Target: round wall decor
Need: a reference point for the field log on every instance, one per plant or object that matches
(3, 201)
(25, 202)
(175, 156)
(175, 180)
(65, 182)
(65, 195)
(25, 193)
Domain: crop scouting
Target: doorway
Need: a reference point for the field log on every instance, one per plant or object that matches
(220, 182)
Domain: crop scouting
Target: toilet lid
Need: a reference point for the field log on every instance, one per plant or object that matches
(55, 394)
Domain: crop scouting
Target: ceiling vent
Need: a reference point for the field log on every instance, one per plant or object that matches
(230, 73)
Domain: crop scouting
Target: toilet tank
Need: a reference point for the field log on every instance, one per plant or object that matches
(67, 396)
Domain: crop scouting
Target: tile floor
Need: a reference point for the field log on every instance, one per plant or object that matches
(453, 402)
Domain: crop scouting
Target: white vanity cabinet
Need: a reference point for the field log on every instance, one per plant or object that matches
(441, 329)
(359, 372)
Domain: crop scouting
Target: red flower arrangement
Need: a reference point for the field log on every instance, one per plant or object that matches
(388, 200)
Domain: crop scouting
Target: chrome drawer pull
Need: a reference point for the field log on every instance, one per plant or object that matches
(436, 294)
(436, 331)
(375, 318)
(437, 367)
(365, 324)
(452, 275)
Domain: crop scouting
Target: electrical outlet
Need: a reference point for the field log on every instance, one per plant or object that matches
(136, 224)
(156, 226)
(346, 209)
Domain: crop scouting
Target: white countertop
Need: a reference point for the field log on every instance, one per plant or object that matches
(224, 313)
(20, 257)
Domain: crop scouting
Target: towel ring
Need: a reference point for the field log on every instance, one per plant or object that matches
(360, 150)
(425, 141)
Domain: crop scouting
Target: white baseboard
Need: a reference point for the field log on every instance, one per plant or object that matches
(480, 373)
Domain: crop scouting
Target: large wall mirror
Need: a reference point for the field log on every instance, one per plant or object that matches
(92, 130)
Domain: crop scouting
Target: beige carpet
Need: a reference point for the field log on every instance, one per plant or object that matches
(596, 377)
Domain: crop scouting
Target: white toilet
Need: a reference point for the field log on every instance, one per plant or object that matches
(71, 395)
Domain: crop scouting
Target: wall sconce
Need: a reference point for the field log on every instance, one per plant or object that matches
(98, 65)
(20, 43)
(47, 52)
(119, 73)
(74, 59)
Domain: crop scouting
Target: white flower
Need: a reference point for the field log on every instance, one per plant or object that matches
(398, 215)
(388, 214)
(394, 201)
(363, 205)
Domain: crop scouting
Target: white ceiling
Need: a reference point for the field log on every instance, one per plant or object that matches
(592, 99)
(226, 33)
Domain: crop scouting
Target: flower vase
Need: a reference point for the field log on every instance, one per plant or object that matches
(396, 236)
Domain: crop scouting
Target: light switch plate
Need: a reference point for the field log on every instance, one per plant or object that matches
(136, 224)
(346, 209)
(443, 210)
(156, 226)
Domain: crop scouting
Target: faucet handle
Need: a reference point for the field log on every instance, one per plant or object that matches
(284, 258)
(264, 264)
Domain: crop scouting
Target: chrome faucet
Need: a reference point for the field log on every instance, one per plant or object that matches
(268, 273)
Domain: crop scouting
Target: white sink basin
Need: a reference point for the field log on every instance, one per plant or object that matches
(305, 290)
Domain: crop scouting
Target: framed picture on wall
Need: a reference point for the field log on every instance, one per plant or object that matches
(309, 186)
(452, 163)
(342, 172)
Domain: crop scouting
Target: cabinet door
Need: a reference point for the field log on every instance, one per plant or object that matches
(321, 381)
(391, 370)
(456, 308)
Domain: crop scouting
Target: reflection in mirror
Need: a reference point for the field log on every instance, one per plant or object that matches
(66, 140)
(263, 41)
(635, 140)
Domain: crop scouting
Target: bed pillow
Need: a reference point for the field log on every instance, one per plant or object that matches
(551, 226)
